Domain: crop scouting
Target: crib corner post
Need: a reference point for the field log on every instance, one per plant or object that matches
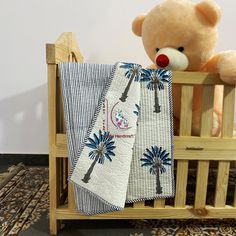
(51, 68)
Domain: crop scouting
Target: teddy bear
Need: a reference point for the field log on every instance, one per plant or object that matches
(181, 35)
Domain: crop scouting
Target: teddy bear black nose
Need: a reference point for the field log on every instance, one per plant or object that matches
(162, 60)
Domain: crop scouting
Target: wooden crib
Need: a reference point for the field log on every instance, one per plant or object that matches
(199, 153)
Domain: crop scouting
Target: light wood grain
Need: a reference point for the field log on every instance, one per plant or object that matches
(213, 155)
(140, 204)
(185, 130)
(52, 142)
(159, 203)
(186, 110)
(222, 183)
(59, 180)
(153, 213)
(65, 172)
(195, 78)
(207, 143)
(71, 194)
(62, 50)
(205, 131)
(201, 184)
(228, 119)
(60, 111)
(181, 183)
(228, 111)
(227, 131)
(207, 111)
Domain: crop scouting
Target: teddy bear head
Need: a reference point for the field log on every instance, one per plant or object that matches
(179, 34)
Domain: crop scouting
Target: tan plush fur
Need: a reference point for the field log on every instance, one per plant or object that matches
(182, 23)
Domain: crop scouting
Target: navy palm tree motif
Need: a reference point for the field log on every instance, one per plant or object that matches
(102, 147)
(134, 72)
(137, 111)
(156, 80)
(156, 159)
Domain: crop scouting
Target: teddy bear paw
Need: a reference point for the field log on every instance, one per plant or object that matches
(228, 79)
(227, 67)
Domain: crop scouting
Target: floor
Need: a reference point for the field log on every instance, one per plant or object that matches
(37, 223)
(89, 228)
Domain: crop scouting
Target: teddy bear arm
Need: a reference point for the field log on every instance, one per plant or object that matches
(223, 63)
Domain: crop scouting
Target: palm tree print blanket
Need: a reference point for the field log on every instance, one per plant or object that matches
(119, 132)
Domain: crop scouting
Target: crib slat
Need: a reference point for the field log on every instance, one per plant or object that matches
(206, 129)
(185, 130)
(186, 110)
(201, 184)
(60, 128)
(159, 203)
(59, 180)
(228, 117)
(181, 183)
(65, 172)
(207, 111)
(71, 197)
(227, 131)
(228, 111)
(139, 204)
(222, 183)
(60, 113)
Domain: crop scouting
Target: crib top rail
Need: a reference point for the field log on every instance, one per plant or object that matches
(196, 78)
(66, 49)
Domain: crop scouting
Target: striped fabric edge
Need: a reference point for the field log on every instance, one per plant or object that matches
(100, 206)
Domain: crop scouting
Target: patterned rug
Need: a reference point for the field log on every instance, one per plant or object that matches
(24, 211)
(22, 199)
(188, 227)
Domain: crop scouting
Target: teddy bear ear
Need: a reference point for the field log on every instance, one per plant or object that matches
(137, 25)
(210, 11)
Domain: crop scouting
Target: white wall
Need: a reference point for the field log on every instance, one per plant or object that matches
(103, 29)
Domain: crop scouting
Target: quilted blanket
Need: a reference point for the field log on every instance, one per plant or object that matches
(119, 132)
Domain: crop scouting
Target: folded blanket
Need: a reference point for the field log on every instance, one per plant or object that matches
(102, 104)
(151, 174)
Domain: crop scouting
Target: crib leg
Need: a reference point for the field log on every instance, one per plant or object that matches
(54, 226)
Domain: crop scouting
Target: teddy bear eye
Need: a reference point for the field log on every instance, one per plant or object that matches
(157, 49)
(181, 49)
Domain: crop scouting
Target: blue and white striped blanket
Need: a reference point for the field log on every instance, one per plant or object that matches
(120, 135)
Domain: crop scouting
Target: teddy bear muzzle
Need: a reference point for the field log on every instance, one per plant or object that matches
(171, 59)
